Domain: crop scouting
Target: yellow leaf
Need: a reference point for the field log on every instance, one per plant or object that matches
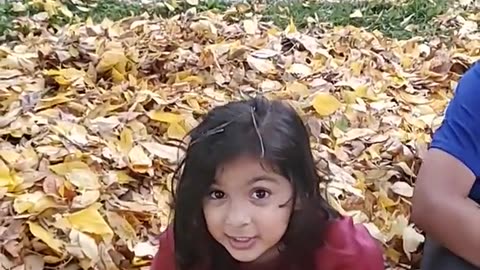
(393, 255)
(291, 28)
(122, 227)
(361, 90)
(325, 104)
(66, 76)
(204, 27)
(91, 221)
(166, 117)
(176, 131)
(349, 97)
(386, 202)
(50, 102)
(66, 167)
(33, 202)
(126, 140)
(356, 68)
(139, 161)
(8, 179)
(413, 99)
(46, 236)
(117, 77)
(193, 103)
(83, 179)
(50, 7)
(110, 59)
(298, 88)
(123, 177)
(194, 80)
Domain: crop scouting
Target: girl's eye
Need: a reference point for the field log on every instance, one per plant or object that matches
(261, 194)
(217, 195)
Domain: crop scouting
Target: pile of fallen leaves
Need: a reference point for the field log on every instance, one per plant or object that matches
(91, 119)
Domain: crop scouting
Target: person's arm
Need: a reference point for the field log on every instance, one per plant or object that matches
(441, 206)
(442, 203)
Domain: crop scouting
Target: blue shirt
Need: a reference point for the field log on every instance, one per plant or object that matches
(459, 133)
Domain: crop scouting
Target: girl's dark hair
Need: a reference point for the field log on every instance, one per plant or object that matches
(269, 130)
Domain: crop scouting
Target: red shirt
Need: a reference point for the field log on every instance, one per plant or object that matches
(347, 246)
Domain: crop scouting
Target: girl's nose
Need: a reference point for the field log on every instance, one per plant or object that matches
(237, 215)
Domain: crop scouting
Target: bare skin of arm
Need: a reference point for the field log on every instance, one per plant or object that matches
(441, 206)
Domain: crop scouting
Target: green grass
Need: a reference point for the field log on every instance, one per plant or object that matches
(101, 9)
(387, 17)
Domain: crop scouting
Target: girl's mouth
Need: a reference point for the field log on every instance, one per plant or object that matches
(241, 243)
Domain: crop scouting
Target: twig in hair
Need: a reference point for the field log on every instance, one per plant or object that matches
(216, 130)
(258, 132)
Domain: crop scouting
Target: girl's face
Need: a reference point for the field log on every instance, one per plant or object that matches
(243, 212)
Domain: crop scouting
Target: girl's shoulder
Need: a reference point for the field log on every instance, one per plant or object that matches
(165, 257)
(349, 246)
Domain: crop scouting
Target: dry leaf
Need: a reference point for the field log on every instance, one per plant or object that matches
(165, 117)
(356, 14)
(89, 220)
(88, 246)
(86, 199)
(139, 161)
(34, 262)
(83, 178)
(264, 66)
(143, 249)
(46, 236)
(169, 153)
(325, 104)
(33, 203)
(123, 229)
(90, 114)
(402, 188)
(250, 26)
(411, 240)
(300, 69)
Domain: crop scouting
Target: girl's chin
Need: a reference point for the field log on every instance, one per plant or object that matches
(245, 256)
(252, 256)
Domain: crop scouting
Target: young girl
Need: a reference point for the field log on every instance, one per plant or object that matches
(248, 198)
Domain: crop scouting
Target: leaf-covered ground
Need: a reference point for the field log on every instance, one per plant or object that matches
(91, 118)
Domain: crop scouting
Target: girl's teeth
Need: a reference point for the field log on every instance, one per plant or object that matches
(242, 239)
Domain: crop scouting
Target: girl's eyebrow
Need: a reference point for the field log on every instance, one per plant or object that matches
(264, 177)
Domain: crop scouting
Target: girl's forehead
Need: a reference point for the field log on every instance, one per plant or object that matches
(244, 164)
(246, 170)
